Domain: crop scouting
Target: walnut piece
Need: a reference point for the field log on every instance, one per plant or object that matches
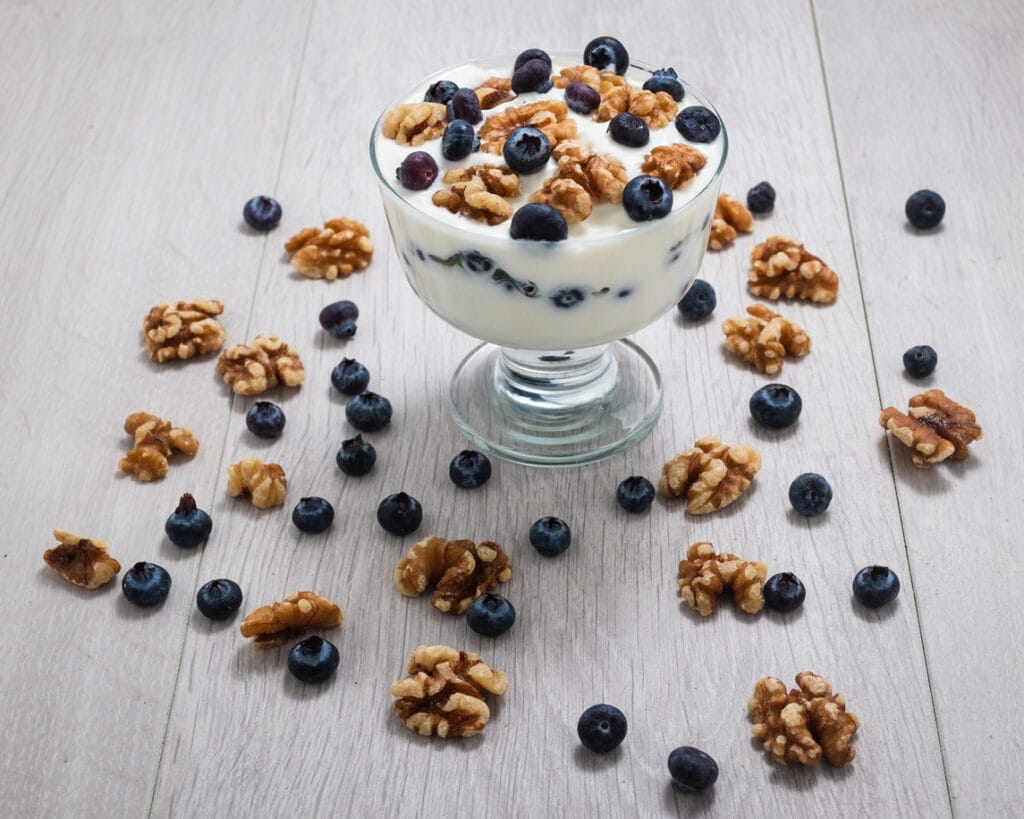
(479, 192)
(582, 178)
(935, 428)
(283, 621)
(586, 74)
(549, 116)
(675, 164)
(711, 474)
(462, 571)
(656, 108)
(81, 560)
(764, 338)
(782, 268)
(444, 692)
(155, 440)
(413, 123)
(803, 724)
(494, 91)
(254, 368)
(731, 216)
(339, 248)
(264, 484)
(183, 329)
(703, 575)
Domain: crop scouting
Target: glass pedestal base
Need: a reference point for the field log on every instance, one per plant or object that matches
(561, 408)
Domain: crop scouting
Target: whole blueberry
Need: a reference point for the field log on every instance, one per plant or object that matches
(400, 514)
(761, 198)
(440, 92)
(925, 209)
(262, 213)
(601, 728)
(188, 525)
(531, 54)
(313, 660)
(666, 79)
(146, 584)
(339, 318)
(490, 615)
(920, 361)
(417, 171)
(533, 75)
(784, 592)
(582, 98)
(368, 411)
(350, 377)
(219, 599)
(526, 150)
(698, 302)
(635, 494)
(698, 124)
(629, 130)
(459, 140)
(538, 222)
(469, 469)
(550, 536)
(312, 514)
(356, 456)
(464, 104)
(874, 586)
(646, 198)
(776, 406)
(691, 769)
(265, 419)
(606, 53)
(810, 494)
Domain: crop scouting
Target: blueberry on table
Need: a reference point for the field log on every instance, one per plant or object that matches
(699, 301)
(925, 209)
(262, 213)
(356, 456)
(219, 599)
(761, 198)
(810, 494)
(527, 149)
(265, 419)
(350, 377)
(533, 75)
(635, 494)
(146, 584)
(417, 171)
(339, 318)
(698, 124)
(784, 592)
(490, 614)
(531, 54)
(646, 198)
(313, 660)
(920, 361)
(188, 525)
(629, 130)
(776, 406)
(400, 514)
(465, 105)
(539, 223)
(874, 586)
(459, 140)
(601, 728)
(469, 469)
(312, 514)
(691, 769)
(368, 412)
(550, 536)
(606, 54)
(666, 79)
(582, 98)
(440, 92)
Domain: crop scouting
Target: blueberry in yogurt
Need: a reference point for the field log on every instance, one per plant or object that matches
(665, 79)
(538, 222)
(698, 124)
(646, 198)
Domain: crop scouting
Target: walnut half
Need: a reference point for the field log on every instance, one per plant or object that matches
(461, 569)
(781, 267)
(155, 439)
(731, 215)
(250, 369)
(264, 484)
(282, 621)
(711, 474)
(339, 248)
(935, 428)
(81, 560)
(183, 329)
(765, 338)
(703, 575)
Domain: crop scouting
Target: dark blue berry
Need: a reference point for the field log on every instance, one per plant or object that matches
(920, 361)
(601, 728)
(533, 75)
(629, 130)
(698, 302)
(477, 262)
(490, 615)
(606, 53)
(417, 171)
(635, 494)
(776, 406)
(568, 297)
(146, 584)
(537, 222)
(368, 411)
(356, 456)
(666, 79)
(313, 660)
(312, 514)
(550, 536)
(262, 213)
(646, 198)
(188, 525)
(350, 377)
(339, 318)
(440, 92)
(526, 150)
(761, 198)
(469, 469)
(874, 586)
(265, 419)
(925, 209)
(400, 514)
(219, 599)
(531, 54)
(784, 592)
(810, 494)
(698, 124)
(582, 98)
(691, 769)
(464, 104)
(459, 140)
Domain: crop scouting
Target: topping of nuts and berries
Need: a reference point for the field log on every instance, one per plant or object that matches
(81, 560)
(282, 621)
(730, 216)
(414, 123)
(783, 268)
(183, 329)
(703, 575)
(264, 484)
(255, 368)
(711, 474)
(339, 248)
(935, 428)
(462, 571)
(155, 439)
(764, 338)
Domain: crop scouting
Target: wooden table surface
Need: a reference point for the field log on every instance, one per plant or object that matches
(133, 132)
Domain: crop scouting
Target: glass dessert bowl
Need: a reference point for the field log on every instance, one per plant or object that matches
(555, 381)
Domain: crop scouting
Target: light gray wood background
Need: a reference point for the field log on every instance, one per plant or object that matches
(133, 132)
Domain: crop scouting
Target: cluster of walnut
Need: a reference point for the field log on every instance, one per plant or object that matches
(783, 268)
(711, 474)
(154, 440)
(582, 177)
(284, 620)
(935, 428)
(337, 249)
(183, 329)
(250, 369)
(81, 560)
(803, 724)
(703, 575)
(656, 108)
(264, 484)
(480, 192)
(764, 338)
(444, 692)
(549, 116)
(730, 216)
(459, 570)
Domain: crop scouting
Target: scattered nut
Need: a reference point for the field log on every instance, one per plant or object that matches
(182, 329)
(703, 575)
(414, 123)
(549, 116)
(711, 475)
(255, 368)
(283, 621)
(155, 440)
(461, 569)
(764, 338)
(935, 428)
(676, 164)
(479, 192)
(264, 484)
(782, 268)
(731, 216)
(656, 108)
(339, 248)
(81, 560)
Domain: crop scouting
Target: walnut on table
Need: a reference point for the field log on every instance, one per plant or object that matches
(460, 571)
(413, 123)
(675, 164)
(731, 215)
(479, 192)
(264, 484)
(549, 116)
(81, 560)
(703, 575)
(284, 620)
(250, 369)
(339, 248)
(935, 428)
(656, 108)
(183, 329)
(764, 338)
(711, 474)
(154, 441)
(783, 268)
(444, 692)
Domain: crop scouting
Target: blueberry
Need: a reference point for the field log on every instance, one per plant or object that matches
(417, 171)
(784, 592)
(339, 318)
(146, 584)
(440, 92)
(629, 130)
(265, 419)
(606, 52)
(356, 456)
(761, 198)
(459, 140)
(666, 79)
(533, 75)
(368, 412)
(550, 536)
(698, 302)
(188, 525)
(469, 469)
(262, 213)
(531, 54)
(691, 769)
(537, 222)
(568, 297)
(925, 209)
(920, 361)
(313, 660)
(526, 150)
(601, 728)
(776, 406)
(810, 494)
(874, 586)
(400, 514)
(646, 198)
(478, 262)
(635, 494)
(698, 124)
(350, 377)
(219, 599)
(312, 514)
(464, 104)
(490, 615)
(582, 98)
